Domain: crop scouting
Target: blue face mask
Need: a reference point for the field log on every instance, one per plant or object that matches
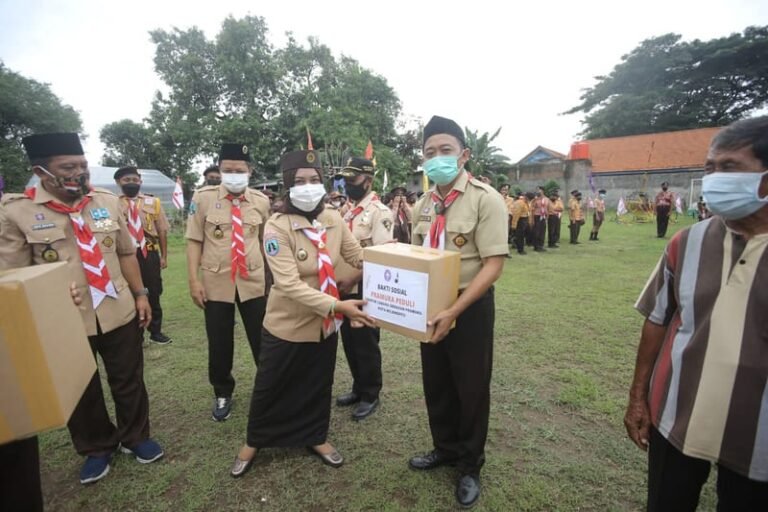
(442, 169)
(733, 195)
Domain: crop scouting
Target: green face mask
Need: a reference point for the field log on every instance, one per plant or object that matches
(442, 169)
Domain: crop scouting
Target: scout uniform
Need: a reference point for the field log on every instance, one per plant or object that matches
(402, 217)
(148, 251)
(664, 200)
(219, 220)
(372, 224)
(554, 219)
(539, 212)
(509, 202)
(576, 216)
(598, 217)
(457, 370)
(520, 215)
(291, 400)
(35, 228)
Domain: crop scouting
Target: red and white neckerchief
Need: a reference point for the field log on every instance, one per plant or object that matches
(96, 272)
(325, 275)
(135, 228)
(351, 214)
(238, 239)
(436, 236)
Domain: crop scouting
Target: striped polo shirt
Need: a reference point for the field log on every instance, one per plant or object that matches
(708, 393)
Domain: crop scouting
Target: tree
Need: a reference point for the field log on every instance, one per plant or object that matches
(667, 84)
(27, 106)
(486, 158)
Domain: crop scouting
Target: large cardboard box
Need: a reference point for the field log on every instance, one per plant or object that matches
(407, 285)
(45, 359)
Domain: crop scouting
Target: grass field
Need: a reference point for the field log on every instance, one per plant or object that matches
(566, 335)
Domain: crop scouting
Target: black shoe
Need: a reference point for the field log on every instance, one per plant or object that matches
(430, 460)
(522, 253)
(540, 249)
(468, 491)
(160, 338)
(347, 399)
(222, 408)
(364, 409)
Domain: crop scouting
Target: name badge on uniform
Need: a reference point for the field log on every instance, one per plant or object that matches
(46, 225)
(149, 201)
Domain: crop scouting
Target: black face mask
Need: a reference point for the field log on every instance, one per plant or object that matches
(214, 181)
(664, 188)
(131, 189)
(356, 192)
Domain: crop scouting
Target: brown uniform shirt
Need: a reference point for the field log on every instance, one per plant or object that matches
(665, 198)
(476, 225)
(296, 307)
(210, 223)
(29, 229)
(372, 226)
(152, 216)
(556, 207)
(574, 210)
(520, 209)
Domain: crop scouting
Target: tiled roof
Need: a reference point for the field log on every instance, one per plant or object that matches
(653, 151)
(554, 155)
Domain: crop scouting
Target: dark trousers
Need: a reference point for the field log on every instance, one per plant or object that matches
(553, 230)
(20, 489)
(662, 220)
(597, 221)
(220, 328)
(153, 280)
(93, 433)
(361, 346)
(575, 227)
(520, 230)
(457, 378)
(539, 231)
(675, 481)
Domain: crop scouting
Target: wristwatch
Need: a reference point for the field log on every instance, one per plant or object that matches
(141, 293)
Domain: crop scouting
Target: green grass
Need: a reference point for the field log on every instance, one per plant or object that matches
(566, 335)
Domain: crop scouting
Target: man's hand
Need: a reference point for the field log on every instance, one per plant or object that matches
(197, 292)
(77, 297)
(163, 262)
(357, 317)
(442, 323)
(637, 421)
(144, 311)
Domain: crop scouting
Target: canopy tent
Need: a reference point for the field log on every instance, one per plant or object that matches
(152, 182)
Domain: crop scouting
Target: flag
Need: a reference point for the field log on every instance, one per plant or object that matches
(385, 182)
(310, 147)
(178, 195)
(591, 204)
(591, 182)
(369, 150)
(621, 209)
(678, 204)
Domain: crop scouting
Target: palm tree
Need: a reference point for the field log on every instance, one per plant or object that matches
(486, 158)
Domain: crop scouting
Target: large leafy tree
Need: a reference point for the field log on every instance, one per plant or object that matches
(27, 106)
(237, 87)
(667, 84)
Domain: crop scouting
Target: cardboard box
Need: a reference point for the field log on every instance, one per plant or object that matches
(45, 359)
(407, 285)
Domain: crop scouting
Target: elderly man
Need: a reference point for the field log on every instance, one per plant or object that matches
(699, 393)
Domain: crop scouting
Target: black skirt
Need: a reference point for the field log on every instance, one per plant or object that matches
(291, 399)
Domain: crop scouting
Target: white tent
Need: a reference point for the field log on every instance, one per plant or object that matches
(153, 182)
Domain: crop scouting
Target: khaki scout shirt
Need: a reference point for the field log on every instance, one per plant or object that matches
(210, 223)
(520, 210)
(574, 210)
(296, 307)
(152, 216)
(556, 207)
(476, 225)
(29, 229)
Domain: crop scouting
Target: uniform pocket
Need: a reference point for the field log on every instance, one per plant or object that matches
(107, 237)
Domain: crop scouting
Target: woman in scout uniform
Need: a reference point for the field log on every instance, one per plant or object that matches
(291, 402)
(460, 214)
(64, 219)
(224, 234)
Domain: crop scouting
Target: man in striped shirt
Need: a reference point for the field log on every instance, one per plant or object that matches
(699, 392)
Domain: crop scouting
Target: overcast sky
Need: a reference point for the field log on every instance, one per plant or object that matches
(484, 63)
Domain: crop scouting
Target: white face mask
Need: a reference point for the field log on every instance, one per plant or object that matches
(235, 182)
(307, 197)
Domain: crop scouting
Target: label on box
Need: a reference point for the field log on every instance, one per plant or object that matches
(396, 296)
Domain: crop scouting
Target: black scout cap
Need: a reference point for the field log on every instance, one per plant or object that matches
(300, 159)
(357, 165)
(44, 145)
(234, 152)
(123, 171)
(210, 169)
(438, 125)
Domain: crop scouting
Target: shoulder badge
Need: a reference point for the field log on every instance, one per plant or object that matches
(271, 246)
(387, 223)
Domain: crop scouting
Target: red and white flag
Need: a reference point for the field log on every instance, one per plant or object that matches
(178, 195)
(678, 203)
(621, 209)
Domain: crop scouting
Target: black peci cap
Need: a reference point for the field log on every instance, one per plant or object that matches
(230, 151)
(123, 171)
(438, 125)
(44, 145)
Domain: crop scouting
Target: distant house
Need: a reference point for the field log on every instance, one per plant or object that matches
(623, 165)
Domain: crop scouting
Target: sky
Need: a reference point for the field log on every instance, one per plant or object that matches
(486, 64)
